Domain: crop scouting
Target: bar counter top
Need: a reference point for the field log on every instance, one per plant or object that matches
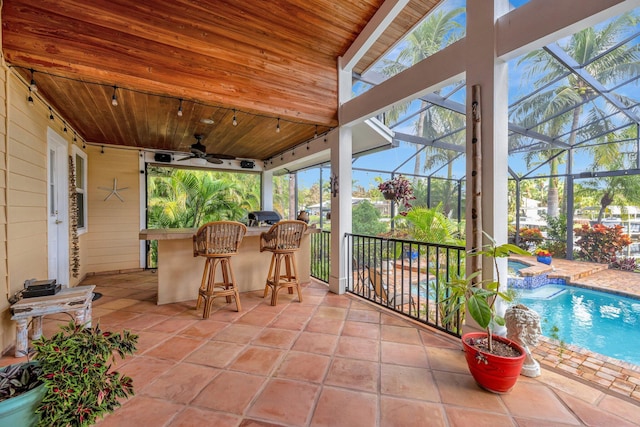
(187, 233)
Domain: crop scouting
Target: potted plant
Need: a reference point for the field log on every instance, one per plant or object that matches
(73, 377)
(398, 189)
(543, 256)
(495, 362)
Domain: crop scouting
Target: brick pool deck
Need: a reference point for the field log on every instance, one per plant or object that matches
(605, 372)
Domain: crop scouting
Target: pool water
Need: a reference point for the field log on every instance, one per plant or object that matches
(601, 322)
(514, 267)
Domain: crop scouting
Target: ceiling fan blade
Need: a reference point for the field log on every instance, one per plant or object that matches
(213, 159)
(184, 158)
(222, 156)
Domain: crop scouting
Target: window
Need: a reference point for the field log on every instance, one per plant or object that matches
(80, 161)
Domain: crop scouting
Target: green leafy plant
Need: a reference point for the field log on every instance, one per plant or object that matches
(480, 296)
(18, 379)
(76, 371)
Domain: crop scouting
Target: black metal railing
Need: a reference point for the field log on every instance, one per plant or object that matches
(408, 277)
(320, 259)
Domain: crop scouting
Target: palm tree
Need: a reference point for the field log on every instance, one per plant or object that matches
(590, 48)
(439, 30)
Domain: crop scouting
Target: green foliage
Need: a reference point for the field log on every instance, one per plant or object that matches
(600, 243)
(181, 198)
(366, 219)
(557, 235)
(480, 297)
(80, 384)
(431, 225)
(18, 379)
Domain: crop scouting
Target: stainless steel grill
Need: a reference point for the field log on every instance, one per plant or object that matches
(258, 218)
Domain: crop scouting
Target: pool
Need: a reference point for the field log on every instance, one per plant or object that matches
(601, 322)
(514, 267)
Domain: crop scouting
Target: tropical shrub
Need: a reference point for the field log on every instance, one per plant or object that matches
(530, 237)
(600, 243)
(624, 264)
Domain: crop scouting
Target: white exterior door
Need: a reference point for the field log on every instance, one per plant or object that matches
(58, 208)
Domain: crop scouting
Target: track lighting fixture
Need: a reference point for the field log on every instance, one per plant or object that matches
(84, 145)
(30, 99)
(114, 98)
(75, 138)
(180, 109)
(50, 114)
(65, 127)
(235, 122)
(33, 86)
(102, 149)
(278, 126)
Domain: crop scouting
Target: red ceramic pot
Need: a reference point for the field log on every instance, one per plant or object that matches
(497, 374)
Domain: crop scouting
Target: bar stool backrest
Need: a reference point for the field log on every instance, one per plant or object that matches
(283, 236)
(218, 238)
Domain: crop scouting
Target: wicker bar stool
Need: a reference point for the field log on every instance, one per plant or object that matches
(283, 240)
(218, 241)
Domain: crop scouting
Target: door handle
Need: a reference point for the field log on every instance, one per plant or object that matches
(58, 221)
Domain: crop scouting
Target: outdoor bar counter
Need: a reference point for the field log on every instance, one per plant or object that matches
(180, 273)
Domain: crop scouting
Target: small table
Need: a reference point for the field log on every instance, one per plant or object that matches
(77, 300)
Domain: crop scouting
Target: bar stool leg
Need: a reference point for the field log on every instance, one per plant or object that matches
(276, 279)
(236, 295)
(295, 275)
(269, 275)
(225, 276)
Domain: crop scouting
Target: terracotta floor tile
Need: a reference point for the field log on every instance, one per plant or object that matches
(462, 390)
(361, 329)
(406, 381)
(622, 408)
(218, 354)
(145, 321)
(334, 300)
(316, 343)
(526, 399)
(345, 408)
(403, 354)
(279, 338)
(114, 319)
(285, 401)
(354, 374)
(174, 348)
(291, 322)
(368, 316)
(119, 303)
(401, 334)
(230, 392)
(324, 325)
(181, 383)
(143, 411)
(431, 339)
(257, 360)
(144, 370)
(312, 300)
(331, 312)
(463, 417)
(594, 416)
(241, 334)
(404, 412)
(451, 360)
(358, 348)
(172, 325)
(259, 318)
(304, 367)
(204, 329)
(192, 417)
(299, 310)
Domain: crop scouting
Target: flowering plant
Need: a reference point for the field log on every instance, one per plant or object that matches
(401, 189)
(542, 252)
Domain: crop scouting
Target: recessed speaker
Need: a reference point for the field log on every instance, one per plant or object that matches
(163, 157)
(247, 164)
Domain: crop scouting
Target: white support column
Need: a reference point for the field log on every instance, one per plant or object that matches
(341, 155)
(267, 190)
(484, 69)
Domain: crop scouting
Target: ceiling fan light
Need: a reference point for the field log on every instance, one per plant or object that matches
(114, 97)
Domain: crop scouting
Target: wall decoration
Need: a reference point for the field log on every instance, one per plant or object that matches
(73, 210)
(114, 190)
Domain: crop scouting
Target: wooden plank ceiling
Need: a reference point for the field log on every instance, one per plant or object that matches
(258, 60)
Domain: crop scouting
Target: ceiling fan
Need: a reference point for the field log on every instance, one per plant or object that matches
(199, 151)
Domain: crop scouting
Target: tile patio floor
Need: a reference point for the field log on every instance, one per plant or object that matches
(329, 361)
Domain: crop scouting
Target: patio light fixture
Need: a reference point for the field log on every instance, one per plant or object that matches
(33, 86)
(30, 99)
(114, 98)
(235, 122)
(180, 108)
